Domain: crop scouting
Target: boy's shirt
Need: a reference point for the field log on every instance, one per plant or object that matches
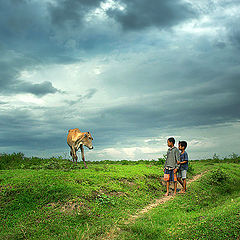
(173, 155)
(184, 157)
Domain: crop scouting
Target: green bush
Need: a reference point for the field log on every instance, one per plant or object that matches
(190, 169)
(125, 162)
(217, 177)
(161, 161)
(104, 199)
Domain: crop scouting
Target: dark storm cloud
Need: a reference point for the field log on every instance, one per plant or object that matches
(139, 14)
(71, 11)
(39, 89)
(25, 43)
(25, 28)
(136, 15)
(220, 44)
(195, 86)
(28, 132)
(80, 98)
(90, 93)
(124, 124)
(29, 39)
(11, 65)
(205, 105)
(234, 34)
(227, 18)
(191, 90)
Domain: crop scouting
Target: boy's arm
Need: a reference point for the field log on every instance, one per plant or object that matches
(165, 164)
(185, 158)
(177, 157)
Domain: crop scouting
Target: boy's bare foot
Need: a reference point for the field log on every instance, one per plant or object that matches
(182, 191)
(166, 194)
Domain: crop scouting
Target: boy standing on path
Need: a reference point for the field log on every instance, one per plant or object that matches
(182, 173)
(171, 165)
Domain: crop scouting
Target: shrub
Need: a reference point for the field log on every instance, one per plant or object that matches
(161, 161)
(190, 169)
(104, 199)
(124, 162)
(217, 177)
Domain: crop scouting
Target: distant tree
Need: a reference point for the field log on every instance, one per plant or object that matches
(215, 156)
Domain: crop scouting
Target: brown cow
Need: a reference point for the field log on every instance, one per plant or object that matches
(76, 139)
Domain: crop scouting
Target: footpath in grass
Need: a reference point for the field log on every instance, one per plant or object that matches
(209, 210)
(115, 230)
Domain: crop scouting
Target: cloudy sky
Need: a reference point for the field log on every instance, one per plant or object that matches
(132, 72)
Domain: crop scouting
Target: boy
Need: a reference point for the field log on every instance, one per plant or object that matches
(182, 172)
(171, 165)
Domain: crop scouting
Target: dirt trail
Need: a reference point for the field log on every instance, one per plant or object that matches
(158, 202)
(112, 234)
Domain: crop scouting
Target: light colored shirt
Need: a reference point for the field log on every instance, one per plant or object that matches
(173, 155)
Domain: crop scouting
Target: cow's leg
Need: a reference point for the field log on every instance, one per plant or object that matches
(73, 154)
(76, 157)
(83, 158)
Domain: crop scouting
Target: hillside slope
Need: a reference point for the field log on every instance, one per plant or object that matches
(38, 201)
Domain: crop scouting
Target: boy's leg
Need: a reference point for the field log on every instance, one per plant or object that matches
(185, 180)
(184, 175)
(184, 185)
(175, 183)
(179, 177)
(167, 193)
(175, 188)
(180, 181)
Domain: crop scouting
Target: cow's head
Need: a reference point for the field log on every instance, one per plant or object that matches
(87, 140)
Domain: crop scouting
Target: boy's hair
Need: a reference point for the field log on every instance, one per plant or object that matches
(183, 144)
(171, 139)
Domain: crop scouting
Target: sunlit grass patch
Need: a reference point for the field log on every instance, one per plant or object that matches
(55, 199)
(209, 210)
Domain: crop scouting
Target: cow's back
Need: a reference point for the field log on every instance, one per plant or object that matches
(73, 136)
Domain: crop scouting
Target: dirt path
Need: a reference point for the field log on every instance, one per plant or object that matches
(112, 234)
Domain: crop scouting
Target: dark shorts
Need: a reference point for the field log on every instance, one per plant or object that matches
(169, 176)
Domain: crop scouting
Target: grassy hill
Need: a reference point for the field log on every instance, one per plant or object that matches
(55, 199)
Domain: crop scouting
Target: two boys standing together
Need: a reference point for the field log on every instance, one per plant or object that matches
(176, 165)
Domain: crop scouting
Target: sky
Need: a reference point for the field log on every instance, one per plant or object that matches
(133, 73)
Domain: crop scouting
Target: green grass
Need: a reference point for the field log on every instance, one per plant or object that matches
(32, 201)
(54, 199)
(209, 210)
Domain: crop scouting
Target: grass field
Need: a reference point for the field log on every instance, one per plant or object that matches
(54, 199)
(210, 210)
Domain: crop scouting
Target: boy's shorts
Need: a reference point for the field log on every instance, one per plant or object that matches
(182, 174)
(169, 176)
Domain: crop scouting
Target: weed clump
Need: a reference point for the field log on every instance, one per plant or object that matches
(161, 161)
(104, 199)
(218, 177)
(190, 169)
